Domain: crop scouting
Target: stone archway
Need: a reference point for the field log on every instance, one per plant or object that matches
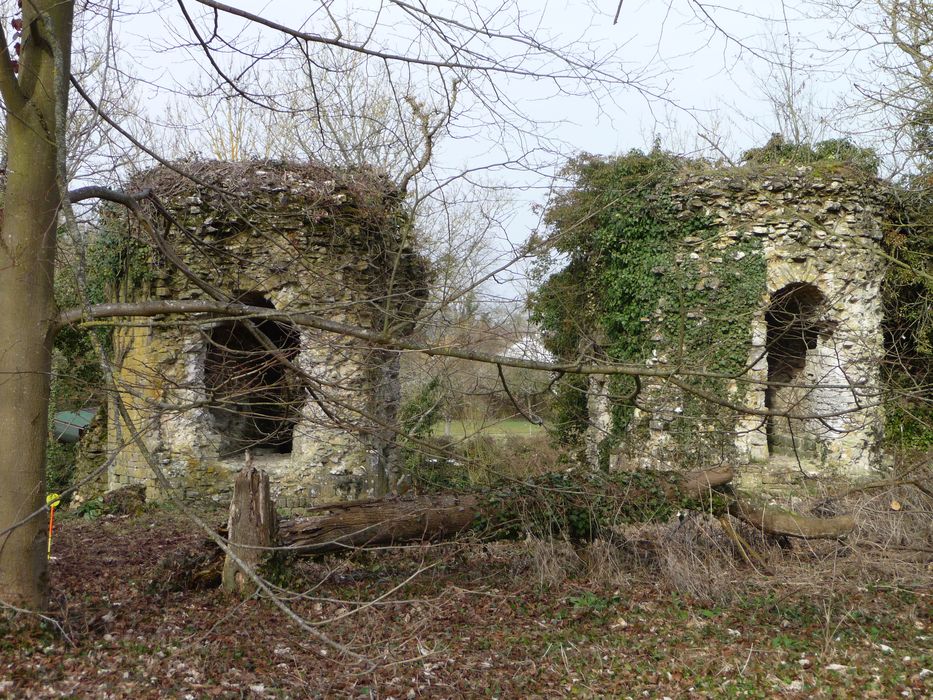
(253, 401)
(794, 326)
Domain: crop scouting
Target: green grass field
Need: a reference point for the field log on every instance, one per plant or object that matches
(504, 428)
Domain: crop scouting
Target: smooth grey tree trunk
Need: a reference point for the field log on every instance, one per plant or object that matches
(30, 203)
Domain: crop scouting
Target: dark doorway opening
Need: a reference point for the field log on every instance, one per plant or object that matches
(793, 320)
(253, 394)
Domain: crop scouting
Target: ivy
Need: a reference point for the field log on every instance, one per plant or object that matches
(636, 281)
(569, 410)
(613, 227)
(418, 415)
(907, 294)
(113, 257)
(582, 505)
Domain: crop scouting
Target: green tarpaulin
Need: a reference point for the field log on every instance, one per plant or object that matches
(68, 425)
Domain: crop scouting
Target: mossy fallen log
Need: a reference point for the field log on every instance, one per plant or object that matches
(574, 505)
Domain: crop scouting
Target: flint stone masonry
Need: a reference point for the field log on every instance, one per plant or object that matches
(814, 344)
(291, 238)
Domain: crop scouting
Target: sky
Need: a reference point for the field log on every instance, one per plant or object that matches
(695, 76)
(691, 68)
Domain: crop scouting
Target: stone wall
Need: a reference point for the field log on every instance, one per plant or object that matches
(814, 343)
(200, 391)
(90, 456)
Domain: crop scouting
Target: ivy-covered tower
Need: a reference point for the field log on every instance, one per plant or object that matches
(753, 297)
(779, 312)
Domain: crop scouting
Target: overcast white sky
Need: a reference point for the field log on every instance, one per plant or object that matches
(689, 60)
(690, 69)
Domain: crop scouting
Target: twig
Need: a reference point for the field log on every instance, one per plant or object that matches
(45, 618)
(745, 549)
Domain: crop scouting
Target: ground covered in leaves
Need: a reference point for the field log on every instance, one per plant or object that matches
(681, 618)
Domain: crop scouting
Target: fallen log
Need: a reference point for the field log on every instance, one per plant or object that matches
(776, 521)
(574, 505)
(578, 506)
(380, 522)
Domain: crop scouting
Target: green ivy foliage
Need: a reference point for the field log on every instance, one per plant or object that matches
(582, 505)
(823, 153)
(569, 410)
(418, 415)
(612, 227)
(907, 293)
(114, 256)
(629, 287)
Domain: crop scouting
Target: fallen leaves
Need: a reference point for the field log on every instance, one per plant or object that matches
(466, 627)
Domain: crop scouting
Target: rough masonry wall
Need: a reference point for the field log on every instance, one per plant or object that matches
(817, 326)
(292, 238)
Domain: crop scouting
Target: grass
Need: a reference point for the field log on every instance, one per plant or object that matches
(491, 427)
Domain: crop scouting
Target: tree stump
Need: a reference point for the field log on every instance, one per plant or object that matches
(252, 526)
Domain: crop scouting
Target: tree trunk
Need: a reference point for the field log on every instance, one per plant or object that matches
(781, 522)
(27, 304)
(252, 525)
(381, 522)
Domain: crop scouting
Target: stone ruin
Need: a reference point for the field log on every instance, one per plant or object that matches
(814, 341)
(293, 238)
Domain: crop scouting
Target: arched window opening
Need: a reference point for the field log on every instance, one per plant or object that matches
(794, 327)
(254, 398)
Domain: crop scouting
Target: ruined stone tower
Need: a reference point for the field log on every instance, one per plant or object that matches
(813, 340)
(315, 409)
